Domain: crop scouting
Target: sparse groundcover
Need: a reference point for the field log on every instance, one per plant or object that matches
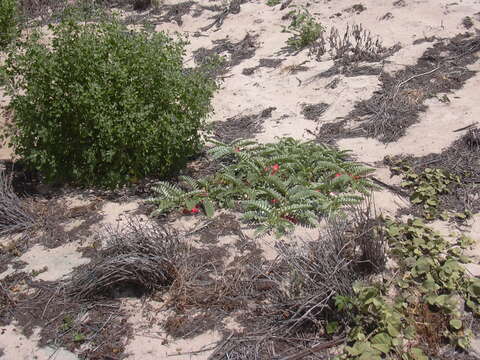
(244, 49)
(357, 45)
(16, 215)
(291, 300)
(241, 127)
(140, 257)
(268, 63)
(276, 186)
(442, 68)
(92, 330)
(109, 105)
(314, 111)
(445, 185)
(304, 28)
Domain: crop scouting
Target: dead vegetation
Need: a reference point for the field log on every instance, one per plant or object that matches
(235, 53)
(141, 257)
(396, 106)
(267, 63)
(302, 285)
(351, 48)
(314, 111)
(241, 127)
(15, 213)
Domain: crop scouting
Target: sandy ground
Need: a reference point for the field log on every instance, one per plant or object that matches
(277, 87)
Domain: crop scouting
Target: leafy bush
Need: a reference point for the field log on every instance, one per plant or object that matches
(103, 105)
(8, 21)
(304, 28)
(276, 185)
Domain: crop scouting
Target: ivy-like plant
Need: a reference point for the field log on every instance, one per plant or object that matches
(430, 279)
(276, 186)
(426, 188)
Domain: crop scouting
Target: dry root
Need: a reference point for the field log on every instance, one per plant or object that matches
(141, 255)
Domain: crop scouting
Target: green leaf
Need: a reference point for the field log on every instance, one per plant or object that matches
(209, 208)
(392, 330)
(418, 354)
(332, 327)
(382, 342)
(456, 324)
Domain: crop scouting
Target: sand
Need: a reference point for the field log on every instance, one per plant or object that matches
(278, 87)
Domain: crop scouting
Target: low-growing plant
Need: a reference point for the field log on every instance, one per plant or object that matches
(429, 285)
(304, 28)
(273, 2)
(277, 186)
(103, 105)
(426, 188)
(8, 21)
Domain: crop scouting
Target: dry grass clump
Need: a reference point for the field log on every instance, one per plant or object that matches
(141, 255)
(357, 44)
(351, 249)
(15, 214)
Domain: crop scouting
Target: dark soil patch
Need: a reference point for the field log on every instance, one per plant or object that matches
(233, 8)
(467, 22)
(243, 127)
(244, 49)
(426, 39)
(68, 324)
(189, 325)
(175, 12)
(221, 225)
(63, 322)
(327, 133)
(462, 159)
(314, 111)
(442, 68)
(357, 8)
(387, 16)
(268, 63)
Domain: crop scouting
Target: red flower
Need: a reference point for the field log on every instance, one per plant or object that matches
(274, 201)
(275, 169)
(237, 149)
(338, 174)
(194, 210)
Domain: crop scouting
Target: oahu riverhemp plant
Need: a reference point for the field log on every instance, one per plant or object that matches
(104, 105)
(276, 186)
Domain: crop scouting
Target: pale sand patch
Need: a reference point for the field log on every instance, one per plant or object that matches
(59, 261)
(116, 214)
(18, 347)
(150, 342)
(433, 132)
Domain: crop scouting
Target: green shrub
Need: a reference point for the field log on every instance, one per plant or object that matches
(8, 21)
(304, 28)
(103, 105)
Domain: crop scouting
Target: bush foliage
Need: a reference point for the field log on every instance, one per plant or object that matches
(102, 105)
(8, 21)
